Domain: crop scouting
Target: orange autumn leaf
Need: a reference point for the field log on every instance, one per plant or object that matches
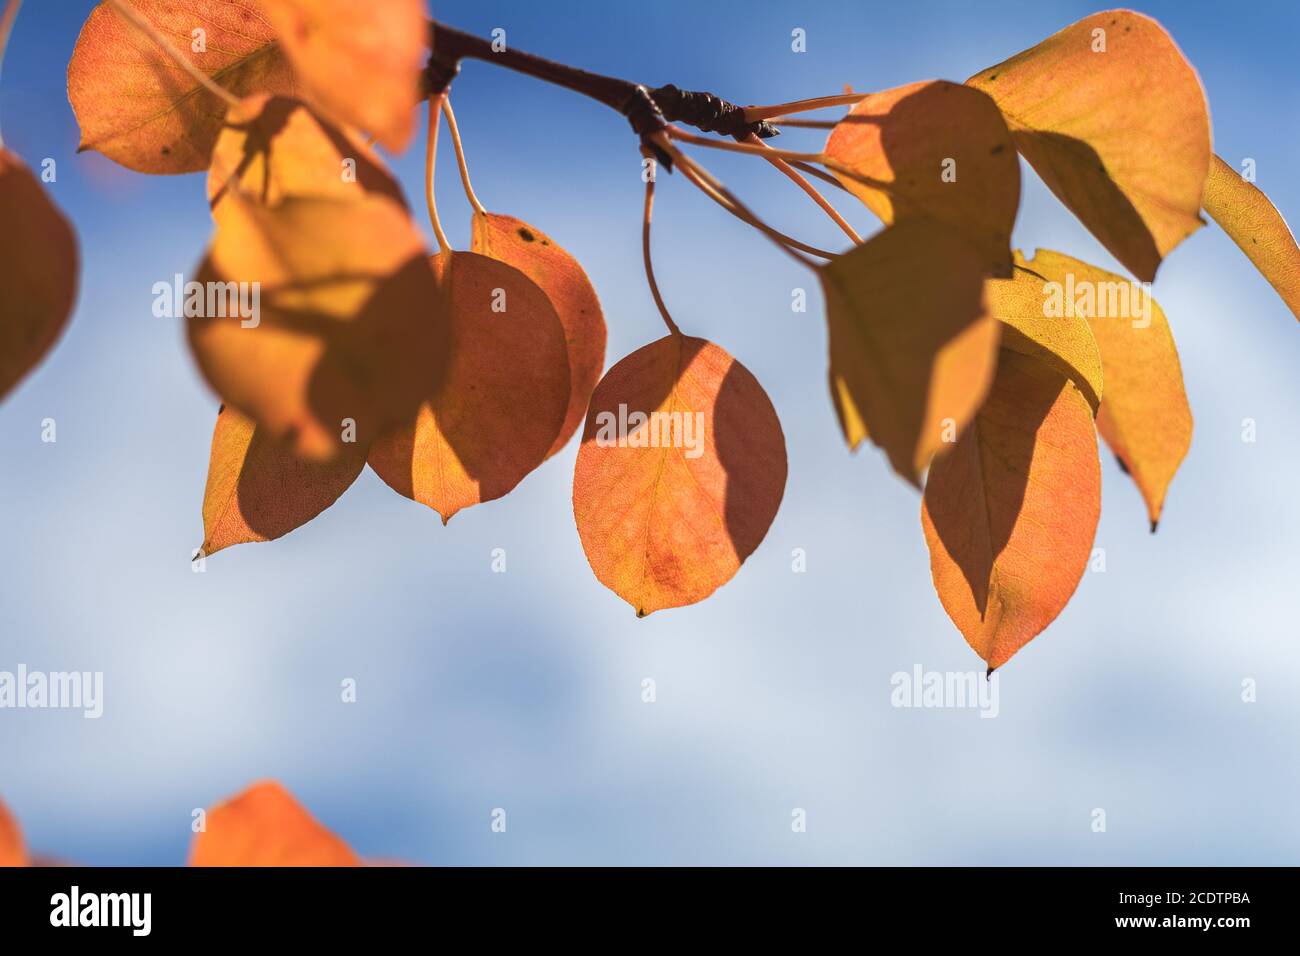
(938, 150)
(258, 490)
(348, 326)
(912, 343)
(501, 405)
(1031, 325)
(1113, 118)
(670, 504)
(565, 283)
(359, 62)
(1010, 513)
(137, 108)
(38, 272)
(274, 147)
(1144, 416)
(12, 852)
(266, 826)
(1256, 226)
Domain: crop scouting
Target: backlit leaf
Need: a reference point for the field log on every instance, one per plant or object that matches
(912, 343)
(504, 398)
(1255, 225)
(258, 489)
(1113, 118)
(38, 272)
(1010, 514)
(668, 506)
(1144, 416)
(137, 107)
(359, 62)
(274, 147)
(1035, 322)
(12, 852)
(565, 283)
(266, 826)
(348, 330)
(939, 150)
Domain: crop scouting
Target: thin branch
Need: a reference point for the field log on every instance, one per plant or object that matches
(454, 130)
(758, 113)
(6, 27)
(811, 190)
(645, 250)
(430, 161)
(134, 17)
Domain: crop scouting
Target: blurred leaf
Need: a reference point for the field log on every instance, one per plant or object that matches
(12, 852)
(668, 520)
(501, 406)
(348, 329)
(559, 275)
(1010, 514)
(1113, 118)
(359, 62)
(266, 826)
(138, 108)
(1255, 225)
(38, 272)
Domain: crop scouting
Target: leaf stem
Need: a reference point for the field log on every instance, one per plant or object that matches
(6, 27)
(786, 154)
(810, 189)
(454, 130)
(137, 20)
(430, 161)
(645, 248)
(755, 114)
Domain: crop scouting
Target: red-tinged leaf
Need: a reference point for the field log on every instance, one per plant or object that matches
(348, 330)
(669, 506)
(359, 62)
(12, 852)
(936, 150)
(1255, 225)
(565, 283)
(266, 826)
(503, 401)
(1010, 514)
(1144, 416)
(38, 272)
(274, 147)
(258, 489)
(912, 343)
(139, 109)
(1113, 118)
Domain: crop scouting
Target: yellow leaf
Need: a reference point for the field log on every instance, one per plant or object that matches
(1010, 514)
(912, 343)
(938, 150)
(1034, 325)
(359, 62)
(347, 329)
(137, 108)
(1113, 118)
(274, 147)
(1257, 227)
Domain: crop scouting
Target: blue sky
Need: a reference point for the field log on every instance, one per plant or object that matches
(523, 690)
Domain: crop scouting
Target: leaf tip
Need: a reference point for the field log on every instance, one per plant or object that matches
(1155, 522)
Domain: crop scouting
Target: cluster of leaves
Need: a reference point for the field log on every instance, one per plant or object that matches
(369, 350)
(262, 826)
